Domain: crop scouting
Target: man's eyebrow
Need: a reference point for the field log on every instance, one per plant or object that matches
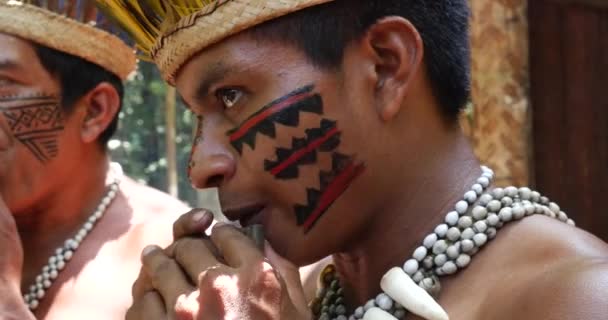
(210, 76)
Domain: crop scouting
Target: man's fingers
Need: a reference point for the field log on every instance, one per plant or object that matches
(187, 306)
(195, 256)
(10, 244)
(234, 246)
(141, 285)
(165, 275)
(290, 275)
(193, 223)
(150, 306)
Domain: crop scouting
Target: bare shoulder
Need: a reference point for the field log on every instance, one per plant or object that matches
(108, 263)
(574, 290)
(555, 271)
(153, 213)
(149, 203)
(542, 239)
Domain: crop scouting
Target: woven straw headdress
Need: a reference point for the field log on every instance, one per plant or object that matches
(67, 26)
(172, 31)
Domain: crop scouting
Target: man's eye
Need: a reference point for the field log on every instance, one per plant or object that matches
(5, 82)
(229, 97)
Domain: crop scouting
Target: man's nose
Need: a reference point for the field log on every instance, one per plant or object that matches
(212, 162)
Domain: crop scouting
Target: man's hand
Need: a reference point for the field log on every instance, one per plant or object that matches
(11, 251)
(11, 263)
(221, 277)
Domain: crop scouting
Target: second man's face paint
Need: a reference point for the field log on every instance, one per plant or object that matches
(323, 139)
(35, 121)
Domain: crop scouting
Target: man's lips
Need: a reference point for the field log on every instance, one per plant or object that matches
(246, 215)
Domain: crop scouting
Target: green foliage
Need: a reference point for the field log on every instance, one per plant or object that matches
(139, 144)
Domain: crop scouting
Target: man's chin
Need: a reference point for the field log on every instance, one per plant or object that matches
(297, 257)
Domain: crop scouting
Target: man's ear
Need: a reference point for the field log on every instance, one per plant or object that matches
(397, 49)
(102, 105)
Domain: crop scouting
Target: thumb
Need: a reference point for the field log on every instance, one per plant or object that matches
(291, 278)
(187, 306)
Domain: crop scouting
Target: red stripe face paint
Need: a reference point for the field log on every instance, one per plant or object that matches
(334, 183)
(322, 138)
(334, 190)
(302, 152)
(284, 111)
(252, 122)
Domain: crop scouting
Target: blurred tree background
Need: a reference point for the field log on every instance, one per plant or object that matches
(140, 144)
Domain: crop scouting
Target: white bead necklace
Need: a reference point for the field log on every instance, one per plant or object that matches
(64, 253)
(473, 222)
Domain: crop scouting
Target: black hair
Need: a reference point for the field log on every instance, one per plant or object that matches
(77, 77)
(324, 31)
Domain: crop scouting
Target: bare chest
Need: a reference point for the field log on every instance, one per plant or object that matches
(96, 284)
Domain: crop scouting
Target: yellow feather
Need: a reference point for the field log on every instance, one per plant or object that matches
(146, 20)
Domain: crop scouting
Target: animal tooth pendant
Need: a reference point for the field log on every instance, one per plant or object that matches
(378, 314)
(399, 286)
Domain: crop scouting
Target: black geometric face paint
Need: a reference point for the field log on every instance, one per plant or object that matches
(326, 138)
(285, 111)
(304, 151)
(333, 184)
(35, 121)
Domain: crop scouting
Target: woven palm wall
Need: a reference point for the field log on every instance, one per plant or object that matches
(499, 119)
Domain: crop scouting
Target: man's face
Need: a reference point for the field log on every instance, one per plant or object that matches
(32, 126)
(283, 142)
